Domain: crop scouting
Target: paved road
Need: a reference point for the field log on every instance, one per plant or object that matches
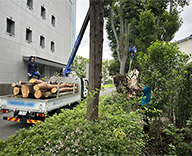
(8, 128)
(107, 91)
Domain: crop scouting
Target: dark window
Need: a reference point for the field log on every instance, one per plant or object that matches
(52, 46)
(30, 4)
(43, 11)
(53, 20)
(42, 41)
(10, 27)
(28, 35)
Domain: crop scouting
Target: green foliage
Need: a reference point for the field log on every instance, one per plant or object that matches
(79, 65)
(178, 146)
(109, 86)
(183, 102)
(109, 81)
(116, 132)
(159, 68)
(105, 70)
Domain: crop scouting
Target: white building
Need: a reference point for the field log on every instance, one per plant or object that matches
(185, 45)
(42, 28)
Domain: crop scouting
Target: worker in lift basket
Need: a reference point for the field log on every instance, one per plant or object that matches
(32, 68)
(145, 100)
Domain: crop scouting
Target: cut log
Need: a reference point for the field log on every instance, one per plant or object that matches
(40, 86)
(35, 81)
(16, 85)
(17, 91)
(52, 95)
(54, 90)
(39, 94)
(50, 86)
(23, 82)
(47, 94)
(27, 91)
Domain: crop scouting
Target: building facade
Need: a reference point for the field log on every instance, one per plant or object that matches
(185, 45)
(41, 28)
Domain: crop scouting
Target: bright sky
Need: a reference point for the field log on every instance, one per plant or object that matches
(82, 7)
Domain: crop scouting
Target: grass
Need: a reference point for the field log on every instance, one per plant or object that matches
(108, 85)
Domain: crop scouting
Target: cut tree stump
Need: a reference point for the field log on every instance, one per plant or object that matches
(27, 91)
(17, 91)
(39, 94)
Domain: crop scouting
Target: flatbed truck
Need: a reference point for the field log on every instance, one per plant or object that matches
(31, 110)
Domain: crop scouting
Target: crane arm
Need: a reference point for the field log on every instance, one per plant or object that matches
(76, 45)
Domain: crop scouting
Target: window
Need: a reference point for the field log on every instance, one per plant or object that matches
(30, 4)
(10, 27)
(28, 35)
(43, 11)
(42, 41)
(52, 46)
(53, 20)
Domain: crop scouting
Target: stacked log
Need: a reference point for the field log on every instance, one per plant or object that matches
(38, 89)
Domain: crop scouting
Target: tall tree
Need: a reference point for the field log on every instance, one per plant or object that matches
(105, 70)
(119, 15)
(96, 48)
(79, 65)
(148, 20)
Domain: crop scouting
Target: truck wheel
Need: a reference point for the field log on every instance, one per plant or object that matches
(58, 111)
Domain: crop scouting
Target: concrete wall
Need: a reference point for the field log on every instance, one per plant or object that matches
(186, 47)
(13, 48)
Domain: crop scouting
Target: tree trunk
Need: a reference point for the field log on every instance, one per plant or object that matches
(96, 47)
(122, 48)
(122, 66)
(27, 90)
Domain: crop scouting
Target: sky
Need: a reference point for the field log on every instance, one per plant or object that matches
(81, 10)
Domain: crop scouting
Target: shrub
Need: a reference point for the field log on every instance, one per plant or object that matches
(109, 81)
(181, 142)
(116, 132)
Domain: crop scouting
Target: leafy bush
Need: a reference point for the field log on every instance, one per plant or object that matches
(108, 86)
(116, 132)
(108, 81)
(179, 144)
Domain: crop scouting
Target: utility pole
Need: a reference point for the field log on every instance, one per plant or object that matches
(96, 50)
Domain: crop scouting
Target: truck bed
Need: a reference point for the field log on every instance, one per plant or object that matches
(37, 105)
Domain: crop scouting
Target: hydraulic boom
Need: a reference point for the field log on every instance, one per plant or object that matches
(76, 45)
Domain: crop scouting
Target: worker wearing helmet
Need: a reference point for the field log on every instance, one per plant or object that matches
(32, 68)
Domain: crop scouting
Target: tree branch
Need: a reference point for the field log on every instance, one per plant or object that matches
(115, 33)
